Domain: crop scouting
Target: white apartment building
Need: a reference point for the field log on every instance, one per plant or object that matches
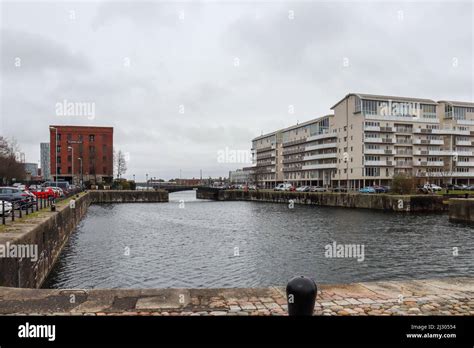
(368, 140)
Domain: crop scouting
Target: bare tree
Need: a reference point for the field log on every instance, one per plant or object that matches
(10, 168)
(120, 164)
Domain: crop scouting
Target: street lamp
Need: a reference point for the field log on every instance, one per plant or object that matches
(72, 159)
(146, 182)
(80, 159)
(56, 150)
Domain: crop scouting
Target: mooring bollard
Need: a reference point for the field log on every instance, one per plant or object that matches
(301, 296)
(53, 205)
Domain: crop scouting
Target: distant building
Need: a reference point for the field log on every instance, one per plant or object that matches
(45, 161)
(83, 153)
(31, 169)
(241, 176)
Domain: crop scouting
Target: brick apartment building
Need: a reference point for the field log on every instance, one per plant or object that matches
(84, 154)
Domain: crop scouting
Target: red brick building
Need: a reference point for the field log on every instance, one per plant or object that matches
(93, 146)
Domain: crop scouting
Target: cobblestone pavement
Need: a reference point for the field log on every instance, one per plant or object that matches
(448, 296)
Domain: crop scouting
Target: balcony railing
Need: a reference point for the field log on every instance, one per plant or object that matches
(320, 146)
(429, 141)
(378, 163)
(320, 156)
(320, 166)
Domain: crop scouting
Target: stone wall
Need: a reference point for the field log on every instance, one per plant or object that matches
(48, 233)
(129, 196)
(406, 203)
(461, 209)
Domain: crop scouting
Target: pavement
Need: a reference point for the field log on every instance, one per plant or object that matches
(447, 296)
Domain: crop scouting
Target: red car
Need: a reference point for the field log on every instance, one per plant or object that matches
(45, 193)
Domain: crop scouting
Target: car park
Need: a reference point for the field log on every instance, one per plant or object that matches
(14, 195)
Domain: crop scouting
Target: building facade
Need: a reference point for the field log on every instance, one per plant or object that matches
(84, 154)
(368, 140)
(45, 161)
(241, 176)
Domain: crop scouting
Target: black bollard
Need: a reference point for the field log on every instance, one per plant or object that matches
(3, 212)
(301, 296)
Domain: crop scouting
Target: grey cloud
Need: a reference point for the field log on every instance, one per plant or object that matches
(38, 54)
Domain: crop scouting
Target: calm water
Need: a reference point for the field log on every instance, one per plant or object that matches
(163, 245)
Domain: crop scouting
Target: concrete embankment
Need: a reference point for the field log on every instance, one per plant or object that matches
(449, 296)
(462, 210)
(116, 196)
(29, 247)
(402, 203)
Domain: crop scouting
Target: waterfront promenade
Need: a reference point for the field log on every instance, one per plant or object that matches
(448, 296)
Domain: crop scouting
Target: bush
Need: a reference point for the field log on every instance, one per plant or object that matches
(402, 184)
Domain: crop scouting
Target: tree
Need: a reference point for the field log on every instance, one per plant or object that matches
(402, 184)
(10, 167)
(120, 164)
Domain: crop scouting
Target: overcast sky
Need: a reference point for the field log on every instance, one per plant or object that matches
(180, 82)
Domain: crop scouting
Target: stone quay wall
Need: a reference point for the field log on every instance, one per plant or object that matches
(400, 203)
(461, 210)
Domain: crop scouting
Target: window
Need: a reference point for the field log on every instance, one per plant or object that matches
(69, 170)
(91, 138)
(59, 136)
(69, 158)
(69, 136)
(58, 170)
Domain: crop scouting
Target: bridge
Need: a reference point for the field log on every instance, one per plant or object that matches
(170, 187)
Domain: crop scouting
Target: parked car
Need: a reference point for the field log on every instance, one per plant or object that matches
(340, 189)
(432, 187)
(252, 187)
(14, 194)
(8, 208)
(318, 189)
(283, 187)
(303, 189)
(380, 189)
(368, 189)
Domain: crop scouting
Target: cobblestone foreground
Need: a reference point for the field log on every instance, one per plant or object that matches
(448, 296)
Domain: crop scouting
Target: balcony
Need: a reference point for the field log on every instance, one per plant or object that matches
(402, 164)
(452, 131)
(464, 153)
(429, 141)
(378, 163)
(446, 174)
(265, 149)
(428, 164)
(465, 122)
(401, 118)
(320, 156)
(464, 164)
(379, 129)
(433, 153)
(404, 153)
(404, 130)
(320, 146)
(464, 143)
(294, 142)
(380, 140)
(320, 166)
(321, 136)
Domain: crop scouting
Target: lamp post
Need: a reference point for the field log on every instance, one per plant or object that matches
(72, 159)
(146, 182)
(56, 151)
(80, 159)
